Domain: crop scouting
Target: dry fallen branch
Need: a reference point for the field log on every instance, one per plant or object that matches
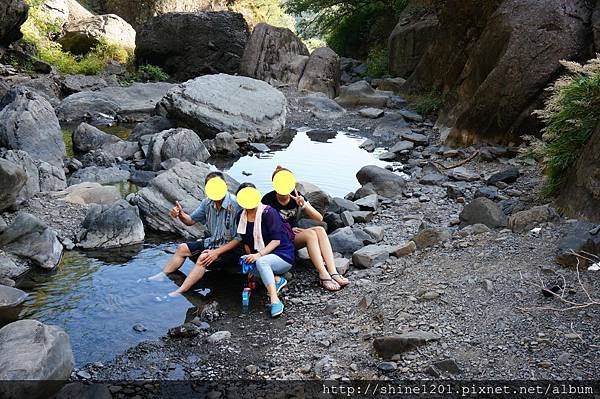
(572, 304)
(461, 163)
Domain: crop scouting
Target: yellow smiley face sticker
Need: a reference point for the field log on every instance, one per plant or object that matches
(284, 182)
(216, 189)
(249, 197)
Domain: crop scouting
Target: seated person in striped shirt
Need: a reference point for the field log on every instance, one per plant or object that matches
(220, 220)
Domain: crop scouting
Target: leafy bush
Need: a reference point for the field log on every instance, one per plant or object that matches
(350, 27)
(426, 104)
(571, 114)
(39, 30)
(153, 73)
(378, 62)
(269, 11)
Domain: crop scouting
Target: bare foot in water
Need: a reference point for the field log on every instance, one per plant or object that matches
(158, 277)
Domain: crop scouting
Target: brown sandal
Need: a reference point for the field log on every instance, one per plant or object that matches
(324, 280)
(340, 284)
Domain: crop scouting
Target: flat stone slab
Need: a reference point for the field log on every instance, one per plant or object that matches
(369, 255)
(388, 346)
(212, 104)
(134, 103)
(371, 113)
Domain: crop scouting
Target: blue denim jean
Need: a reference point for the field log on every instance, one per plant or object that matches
(270, 265)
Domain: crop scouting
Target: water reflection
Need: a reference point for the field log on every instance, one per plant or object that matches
(321, 135)
(98, 299)
(325, 158)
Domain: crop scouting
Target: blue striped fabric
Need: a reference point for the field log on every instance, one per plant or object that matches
(221, 223)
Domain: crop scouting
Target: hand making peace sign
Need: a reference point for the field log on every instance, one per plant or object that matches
(298, 198)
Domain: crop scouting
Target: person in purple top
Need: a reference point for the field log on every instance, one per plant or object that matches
(270, 247)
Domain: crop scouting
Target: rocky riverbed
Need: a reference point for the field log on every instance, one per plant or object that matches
(468, 302)
(451, 252)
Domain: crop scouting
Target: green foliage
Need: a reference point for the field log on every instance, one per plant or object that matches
(68, 139)
(269, 11)
(153, 73)
(145, 73)
(39, 30)
(378, 62)
(571, 114)
(350, 27)
(427, 104)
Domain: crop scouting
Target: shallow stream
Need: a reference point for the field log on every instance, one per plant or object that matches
(98, 298)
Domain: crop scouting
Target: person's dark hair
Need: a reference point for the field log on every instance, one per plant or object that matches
(244, 185)
(278, 169)
(216, 173)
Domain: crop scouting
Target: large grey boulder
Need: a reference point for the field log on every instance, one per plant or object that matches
(318, 198)
(345, 241)
(37, 353)
(87, 137)
(82, 35)
(12, 179)
(184, 182)
(180, 143)
(45, 86)
(409, 40)
(188, 45)
(223, 103)
(530, 218)
(579, 195)
(52, 178)
(112, 226)
(580, 237)
(11, 269)
(321, 106)
(28, 123)
(382, 181)
(11, 301)
(153, 125)
(275, 55)
(393, 127)
(493, 64)
(133, 103)
(30, 238)
(96, 174)
(224, 144)
(137, 12)
(41, 176)
(322, 73)
(71, 84)
(12, 15)
(482, 210)
(361, 93)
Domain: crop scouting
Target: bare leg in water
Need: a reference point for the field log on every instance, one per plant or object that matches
(175, 263)
(195, 275)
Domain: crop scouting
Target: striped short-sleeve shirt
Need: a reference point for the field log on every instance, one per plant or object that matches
(221, 223)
